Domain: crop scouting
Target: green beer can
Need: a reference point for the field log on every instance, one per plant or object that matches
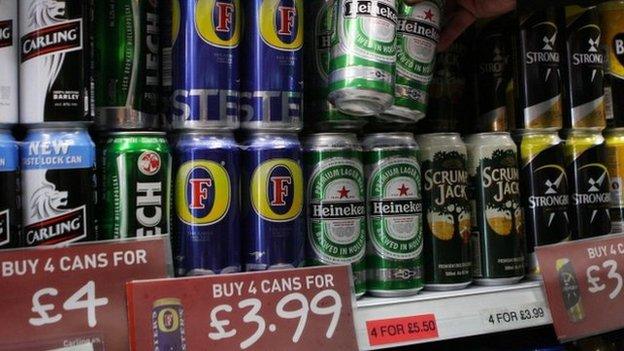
(336, 208)
(394, 265)
(136, 190)
(127, 64)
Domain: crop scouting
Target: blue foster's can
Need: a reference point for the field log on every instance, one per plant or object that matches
(206, 201)
(206, 37)
(272, 201)
(272, 82)
(10, 221)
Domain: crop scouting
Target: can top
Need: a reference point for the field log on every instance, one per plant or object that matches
(167, 301)
(494, 138)
(389, 140)
(581, 133)
(443, 138)
(528, 132)
(136, 133)
(331, 141)
(58, 127)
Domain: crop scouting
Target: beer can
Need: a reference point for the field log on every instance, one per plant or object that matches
(59, 190)
(166, 58)
(56, 84)
(363, 56)
(207, 224)
(10, 221)
(136, 180)
(544, 189)
(447, 229)
(612, 27)
(493, 56)
(127, 64)
(589, 184)
(537, 67)
(497, 223)
(205, 64)
(271, 79)
(418, 33)
(323, 115)
(335, 203)
(272, 201)
(169, 330)
(394, 262)
(614, 148)
(584, 102)
(570, 289)
(9, 61)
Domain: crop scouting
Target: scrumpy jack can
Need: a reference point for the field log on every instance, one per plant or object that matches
(10, 217)
(9, 62)
(336, 208)
(447, 230)
(498, 224)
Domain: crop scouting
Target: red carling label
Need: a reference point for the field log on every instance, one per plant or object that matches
(63, 37)
(6, 33)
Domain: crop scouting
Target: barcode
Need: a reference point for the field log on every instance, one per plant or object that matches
(166, 67)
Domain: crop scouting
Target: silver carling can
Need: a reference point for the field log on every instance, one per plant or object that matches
(8, 62)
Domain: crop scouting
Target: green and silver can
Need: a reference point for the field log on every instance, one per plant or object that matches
(127, 64)
(336, 208)
(136, 185)
(394, 263)
(447, 229)
(363, 56)
(418, 33)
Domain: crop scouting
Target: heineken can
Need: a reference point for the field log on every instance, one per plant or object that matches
(589, 184)
(9, 62)
(56, 83)
(418, 33)
(612, 29)
(498, 224)
(614, 148)
(447, 229)
(318, 33)
(169, 331)
(537, 70)
(127, 65)
(335, 203)
(10, 221)
(570, 290)
(137, 185)
(394, 263)
(493, 56)
(584, 103)
(363, 56)
(544, 188)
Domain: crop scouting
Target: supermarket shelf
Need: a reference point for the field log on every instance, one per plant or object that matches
(473, 311)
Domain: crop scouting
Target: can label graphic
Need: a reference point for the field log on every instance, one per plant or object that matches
(614, 145)
(9, 61)
(570, 290)
(612, 44)
(168, 326)
(9, 192)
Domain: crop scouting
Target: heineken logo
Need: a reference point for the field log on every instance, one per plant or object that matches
(277, 190)
(204, 192)
(222, 27)
(369, 8)
(69, 226)
(5, 227)
(54, 39)
(6, 33)
(337, 210)
(149, 163)
(417, 28)
(389, 208)
(281, 24)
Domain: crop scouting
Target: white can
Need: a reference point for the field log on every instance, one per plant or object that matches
(8, 62)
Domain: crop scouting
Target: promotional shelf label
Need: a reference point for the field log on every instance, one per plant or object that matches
(298, 309)
(402, 329)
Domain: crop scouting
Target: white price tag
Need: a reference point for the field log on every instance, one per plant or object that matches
(515, 317)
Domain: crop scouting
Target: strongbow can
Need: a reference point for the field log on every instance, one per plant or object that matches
(207, 229)
(271, 79)
(168, 329)
(137, 185)
(335, 198)
(537, 67)
(394, 264)
(447, 230)
(272, 201)
(584, 103)
(55, 72)
(614, 148)
(498, 224)
(570, 290)
(9, 62)
(205, 64)
(58, 179)
(10, 217)
(127, 64)
(544, 188)
(418, 32)
(612, 45)
(363, 56)
(590, 198)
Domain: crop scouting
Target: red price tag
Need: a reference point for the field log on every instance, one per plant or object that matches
(396, 330)
(306, 309)
(584, 285)
(73, 295)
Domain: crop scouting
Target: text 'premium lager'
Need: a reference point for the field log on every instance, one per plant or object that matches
(9, 62)
(498, 225)
(335, 203)
(10, 217)
(362, 68)
(55, 72)
(127, 64)
(447, 228)
(394, 263)
(612, 28)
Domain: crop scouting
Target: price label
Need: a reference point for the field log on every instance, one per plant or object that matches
(276, 310)
(74, 295)
(397, 330)
(584, 283)
(515, 317)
